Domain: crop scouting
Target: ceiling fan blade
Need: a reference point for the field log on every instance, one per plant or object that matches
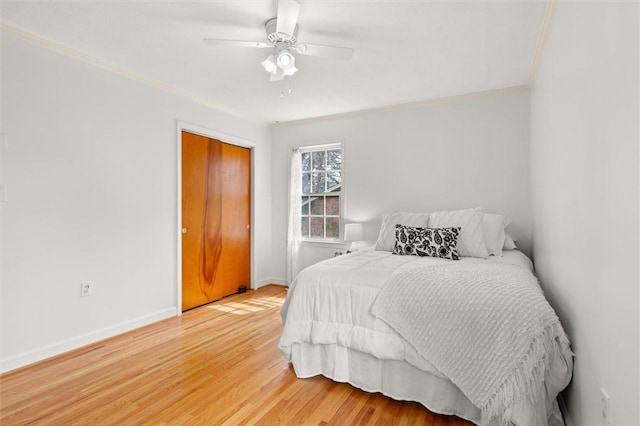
(235, 43)
(335, 52)
(288, 11)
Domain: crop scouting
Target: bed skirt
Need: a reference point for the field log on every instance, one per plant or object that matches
(400, 381)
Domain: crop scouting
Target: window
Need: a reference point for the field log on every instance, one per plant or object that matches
(321, 186)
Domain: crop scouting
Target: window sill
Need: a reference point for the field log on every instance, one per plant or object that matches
(323, 243)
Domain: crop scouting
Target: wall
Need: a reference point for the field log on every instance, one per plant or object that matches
(92, 196)
(584, 176)
(457, 153)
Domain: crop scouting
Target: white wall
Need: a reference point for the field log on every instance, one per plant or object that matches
(459, 153)
(584, 165)
(92, 196)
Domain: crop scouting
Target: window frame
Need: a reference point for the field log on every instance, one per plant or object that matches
(340, 194)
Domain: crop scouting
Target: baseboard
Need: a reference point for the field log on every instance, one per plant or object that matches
(67, 345)
(272, 280)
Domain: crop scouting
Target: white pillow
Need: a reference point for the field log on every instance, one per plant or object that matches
(509, 242)
(387, 236)
(471, 238)
(493, 227)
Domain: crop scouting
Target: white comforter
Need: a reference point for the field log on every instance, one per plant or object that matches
(487, 327)
(330, 303)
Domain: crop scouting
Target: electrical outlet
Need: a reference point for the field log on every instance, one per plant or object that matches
(86, 289)
(605, 406)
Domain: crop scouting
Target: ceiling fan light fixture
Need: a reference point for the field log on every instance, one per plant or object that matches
(286, 60)
(290, 71)
(270, 65)
(282, 38)
(279, 65)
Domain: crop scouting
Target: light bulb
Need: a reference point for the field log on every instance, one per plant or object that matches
(286, 60)
(269, 64)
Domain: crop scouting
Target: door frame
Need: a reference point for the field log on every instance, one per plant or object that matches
(183, 126)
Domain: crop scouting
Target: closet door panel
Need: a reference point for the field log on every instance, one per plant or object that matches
(216, 199)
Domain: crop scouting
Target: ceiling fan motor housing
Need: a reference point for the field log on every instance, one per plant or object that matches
(274, 37)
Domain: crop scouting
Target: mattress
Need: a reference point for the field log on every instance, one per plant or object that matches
(329, 330)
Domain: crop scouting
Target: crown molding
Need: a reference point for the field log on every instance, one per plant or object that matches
(408, 105)
(549, 13)
(122, 72)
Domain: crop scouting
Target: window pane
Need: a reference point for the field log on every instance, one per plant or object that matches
(306, 161)
(333, 206)
(317, 227)
(318, 160)
(317, 183)
(320, 211)
(306, 183)
(333, 227)
(334, 181)
(334, 160)
(317, 206)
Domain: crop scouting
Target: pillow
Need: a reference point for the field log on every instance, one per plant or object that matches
(443, 242)
(439, 242)
(410, 241)
(471, 238)
(493, 228)
(387, 235)
(509, 242)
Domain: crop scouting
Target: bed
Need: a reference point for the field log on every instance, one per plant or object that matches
(334, 325)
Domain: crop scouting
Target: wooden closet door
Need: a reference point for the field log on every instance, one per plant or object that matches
(216, 213)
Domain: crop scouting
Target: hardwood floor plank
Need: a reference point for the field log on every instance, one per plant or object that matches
(215, 365)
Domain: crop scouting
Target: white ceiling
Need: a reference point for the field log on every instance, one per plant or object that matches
(405, 51)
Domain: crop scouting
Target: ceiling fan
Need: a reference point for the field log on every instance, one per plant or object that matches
(282, 37)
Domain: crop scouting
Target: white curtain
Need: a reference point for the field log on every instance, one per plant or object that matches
(295, 206)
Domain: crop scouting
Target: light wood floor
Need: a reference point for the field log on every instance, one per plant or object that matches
(217, 364)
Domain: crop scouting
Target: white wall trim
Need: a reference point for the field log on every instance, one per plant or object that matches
(77, 342)
(272, 280)
(223, 137)
(408, 105)
(549, 13)
(114, 69)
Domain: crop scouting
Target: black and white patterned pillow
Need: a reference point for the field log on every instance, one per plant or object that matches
(433, 242)
(410, 241)
(442, 242)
